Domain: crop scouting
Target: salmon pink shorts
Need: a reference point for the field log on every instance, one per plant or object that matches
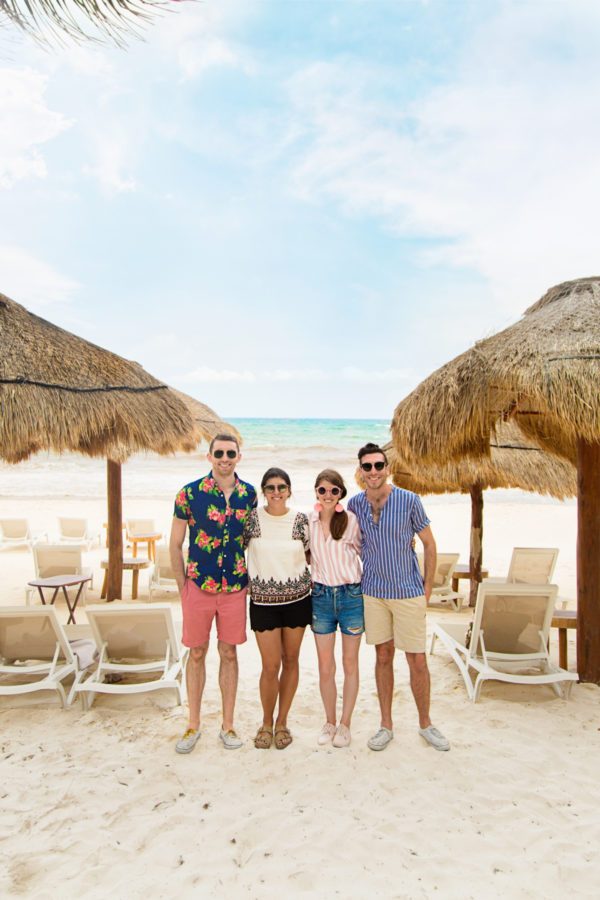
(201, 607)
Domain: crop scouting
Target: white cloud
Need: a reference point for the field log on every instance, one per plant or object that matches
(25, 124)
(114, 158)
(31, 281)
(200, 36)
(500, 163)
(372, 376)
(206, 374)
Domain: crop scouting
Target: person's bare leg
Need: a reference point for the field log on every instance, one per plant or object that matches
(350, 648)
(325, 644)
(420, 685)
(384, 679)
(228, 680)
(195, 678)
(290, 669)
(270, 647)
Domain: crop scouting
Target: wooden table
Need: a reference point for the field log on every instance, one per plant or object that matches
(59, 582)
(563, 619)
(150, 538)
(464, 571)
(128, 563)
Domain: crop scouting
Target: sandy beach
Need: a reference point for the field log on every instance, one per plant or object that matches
(97, 804)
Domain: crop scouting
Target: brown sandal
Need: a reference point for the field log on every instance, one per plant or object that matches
(286, 738)
(264, 738)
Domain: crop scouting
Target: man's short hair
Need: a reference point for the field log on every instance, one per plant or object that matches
(371, 448)
(224, 437)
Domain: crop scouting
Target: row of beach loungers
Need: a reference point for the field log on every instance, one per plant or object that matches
(507, 641)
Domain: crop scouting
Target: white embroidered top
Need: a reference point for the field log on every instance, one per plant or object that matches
(276, 560)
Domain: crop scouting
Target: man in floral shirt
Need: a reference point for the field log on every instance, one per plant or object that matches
(213, 582)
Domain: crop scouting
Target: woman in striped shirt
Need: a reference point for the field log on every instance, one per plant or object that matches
(336, 599)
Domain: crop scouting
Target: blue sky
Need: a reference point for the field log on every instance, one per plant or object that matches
(303, 207)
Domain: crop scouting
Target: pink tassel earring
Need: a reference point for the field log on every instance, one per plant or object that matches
(339, 507)
(318, 507)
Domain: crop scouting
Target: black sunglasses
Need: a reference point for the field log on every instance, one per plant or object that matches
(231, 454)
(334, 490)
(378, 466)
(271, 488)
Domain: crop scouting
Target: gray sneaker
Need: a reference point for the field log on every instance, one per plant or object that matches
(381, 739)
(230, 740)
(187, 743)
(435, 738)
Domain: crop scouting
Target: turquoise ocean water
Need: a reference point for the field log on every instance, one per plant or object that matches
(346, 435)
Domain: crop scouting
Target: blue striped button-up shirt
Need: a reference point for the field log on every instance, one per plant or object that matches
(390, 565)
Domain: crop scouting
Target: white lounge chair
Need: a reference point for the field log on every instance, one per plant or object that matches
(59, 559)
(442, 579)
(34, 647)
(139, 526)
(15, 532)
(133, 639)
(509, 640)
(75, 531)
(530, 565)
(162, 577)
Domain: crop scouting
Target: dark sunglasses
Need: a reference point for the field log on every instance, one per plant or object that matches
(378, 466)
(334, 490)
(231, 454)
(270, 488)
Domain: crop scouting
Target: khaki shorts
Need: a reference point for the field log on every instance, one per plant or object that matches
(402, 620)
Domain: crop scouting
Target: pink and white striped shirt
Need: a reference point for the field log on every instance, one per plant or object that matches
(334, 562)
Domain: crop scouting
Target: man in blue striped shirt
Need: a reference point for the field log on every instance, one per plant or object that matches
(395, 594)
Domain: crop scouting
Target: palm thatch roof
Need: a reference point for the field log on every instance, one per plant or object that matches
(206, 421)
(59, 392)
(514, 462)
(543, 371)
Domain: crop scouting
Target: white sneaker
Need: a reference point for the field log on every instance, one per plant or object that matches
(187, 743)
(435, 738)
(327, 734)
(342, 736)
(230, 739)
(381, 739)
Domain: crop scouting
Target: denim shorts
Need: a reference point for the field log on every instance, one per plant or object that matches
(342, 604)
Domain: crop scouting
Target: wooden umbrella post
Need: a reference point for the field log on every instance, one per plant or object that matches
(475, 555)
(115, 531)
(588, 561)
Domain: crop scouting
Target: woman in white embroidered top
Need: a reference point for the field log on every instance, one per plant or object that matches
(279, 586)
(336, 599)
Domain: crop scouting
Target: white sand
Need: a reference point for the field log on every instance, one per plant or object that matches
(98, 804)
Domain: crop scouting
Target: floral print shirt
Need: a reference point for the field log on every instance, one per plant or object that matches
(216, 552)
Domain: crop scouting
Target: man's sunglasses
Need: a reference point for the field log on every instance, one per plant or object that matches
(334, 490)
(378, 466)
(271, 488)
(231, 454)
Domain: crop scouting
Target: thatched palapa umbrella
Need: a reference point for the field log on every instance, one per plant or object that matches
(543, 371)
(59, 392)
(514, 462)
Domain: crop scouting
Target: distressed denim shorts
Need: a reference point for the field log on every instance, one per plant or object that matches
(341, 605)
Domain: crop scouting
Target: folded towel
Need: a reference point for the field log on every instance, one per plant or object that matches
(85, 651)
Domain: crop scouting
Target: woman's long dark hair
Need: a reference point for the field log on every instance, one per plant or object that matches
(339, 521)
